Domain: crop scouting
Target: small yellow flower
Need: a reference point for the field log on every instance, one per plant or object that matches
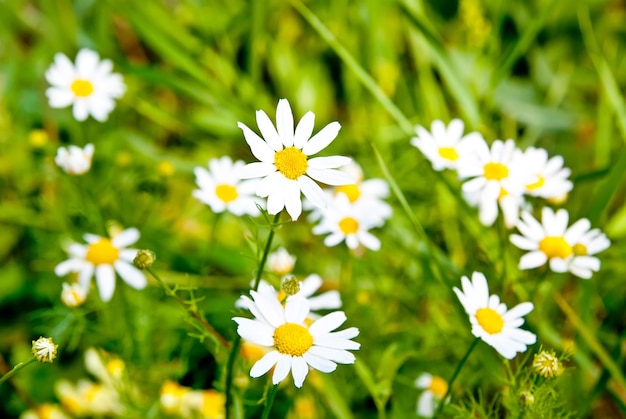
(165, 168)
(44, 349)
(38, 138)
(547, 365)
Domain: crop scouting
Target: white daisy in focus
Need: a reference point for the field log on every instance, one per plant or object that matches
(295, 346)
(349, 223)
(445, 146)
(89, 85)
(103, 257)
(221, 188)
(495, 172)
(435, 389)
(491, 321)
(564, 248)
(281, 262)
(550, 178)
(74, 160)
(284, 162)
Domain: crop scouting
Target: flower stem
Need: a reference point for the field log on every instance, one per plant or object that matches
(454, 375)
(269, 401)
(16, 369)
(191, 311)
(230, 366)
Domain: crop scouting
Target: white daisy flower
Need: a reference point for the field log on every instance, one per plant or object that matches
(496, 172)
(550, 178)
(295, 345)
(89, 85)
(435, 389)
(490, 319)
(281, 262)
(349, 223)
(73, 294)
(103, 257)
(284, 162)
(445, 146)
(565, 249)
(74, 160)
(221, 188)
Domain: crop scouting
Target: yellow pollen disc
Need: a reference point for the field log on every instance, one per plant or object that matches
(489, 320)
(580, 249)
(537, 184)
(348, 225)
(495, 171)
(102, 252)
(82, 88)
(438, 386)
(291, 162)
(292, 339)
(448, 153)
(555, 247)
(226, 193)
(351, 191)
(115, 367)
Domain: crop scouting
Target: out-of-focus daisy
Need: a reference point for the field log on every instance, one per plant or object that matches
(44, 411)
(349, 223)
(281, 262)
(89, 85)
(86, 398)
(74, 160)
(73, 294)
(284, 162)
(103, 257)
(445, 146)
(550, 178)
(186, 402)
(491, 321)
(495, 172)
(222, 189)
(565, 249)
(435, 389)
(295, 345)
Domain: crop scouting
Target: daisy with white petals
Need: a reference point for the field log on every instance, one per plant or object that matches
(565, 249)
(445, 146)
(295, 346)
(89, 86)
(103, 257)
(74, 160)
(284, 162)
(490, 319)
(221, 188)
(435, 389)
(550, 178)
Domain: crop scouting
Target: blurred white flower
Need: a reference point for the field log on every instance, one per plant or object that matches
(445, 146)
(490, 319)
(564, 248)
(221, 188)
(281, 262)
(435, 389)
(73, 294)
(44, 411)
(88, 85)
(284, 162)
(104, 256)
(74, 160)
(550, 178)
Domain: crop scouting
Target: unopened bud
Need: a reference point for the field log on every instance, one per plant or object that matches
(526, 398)
(290, 285)
(547, 365)
(44, 349)
(144, 259)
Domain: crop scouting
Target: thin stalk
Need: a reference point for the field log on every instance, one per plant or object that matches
(191, 311)
(269, 401)
(16, 368)
(454, 375)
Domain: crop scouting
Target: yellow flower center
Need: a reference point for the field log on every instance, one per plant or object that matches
(351, 191)
(579, 249)
(292, 339)
(102, 252)
(82, 88)
(213, 404)
(555, 247)
(438, 386)
(489, 320)
(115, 367)
(226, 193)
(348, 225)
(448, 153)
(495, 171)
(291, 162)
(537, 184)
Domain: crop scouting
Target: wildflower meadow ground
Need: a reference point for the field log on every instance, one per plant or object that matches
(312, 209)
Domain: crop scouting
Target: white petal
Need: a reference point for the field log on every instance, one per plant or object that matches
(321, 140)
(312, 191)
(329, 162)
(264, 364)
(79, 110)
(131, 275)
(276, 198)
(304, 130)
(268, 131)
(105, 279)
(519, 311)
(293, 204)
(125, 238)
(283, 365)
(330, 176)
(532, 260)
(319, 363)
(86, 62)
(255, 331)
(296, 310)
(270, 307)
(284, 122)
(299, 370)
(260, 149)
(256, 170)
(327, 323)
(336, 355)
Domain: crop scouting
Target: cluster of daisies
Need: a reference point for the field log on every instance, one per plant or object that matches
(501, 177)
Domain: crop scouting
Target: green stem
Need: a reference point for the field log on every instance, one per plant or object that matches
(190, 310)
(16, 369)
(230, 366)
(454, 375)
(269, 401)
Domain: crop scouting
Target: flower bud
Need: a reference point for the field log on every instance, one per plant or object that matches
(290, 285)
(44, 349)
(144, 259)
(547, 365)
